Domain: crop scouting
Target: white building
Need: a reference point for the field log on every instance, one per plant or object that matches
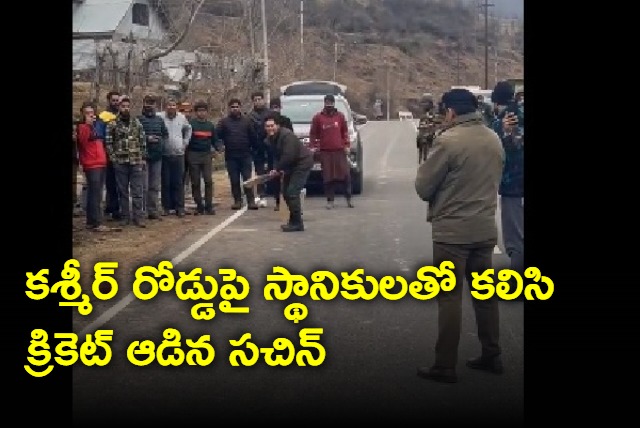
(116, 23)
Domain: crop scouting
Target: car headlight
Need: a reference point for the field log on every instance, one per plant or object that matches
(305, 140)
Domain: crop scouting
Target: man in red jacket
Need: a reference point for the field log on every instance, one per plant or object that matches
(329, 136)
(93, 159)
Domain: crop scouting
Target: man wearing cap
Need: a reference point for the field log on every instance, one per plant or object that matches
(459, 180)
(127, 148)
(509, 125)
(329, 136)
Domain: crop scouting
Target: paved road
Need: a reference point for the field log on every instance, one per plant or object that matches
(373, 348)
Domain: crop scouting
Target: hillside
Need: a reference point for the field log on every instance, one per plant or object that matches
(428, 45)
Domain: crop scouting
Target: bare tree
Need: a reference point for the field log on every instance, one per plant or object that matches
(192, 7)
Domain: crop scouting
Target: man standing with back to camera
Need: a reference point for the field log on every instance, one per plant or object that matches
(459, 180)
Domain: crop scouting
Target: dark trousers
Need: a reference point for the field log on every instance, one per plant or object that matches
(330, 188)
(260, 165)
(74, 183)
(95, 179)
(512, 217)
(238, 166)
(292, 185)
(130, 179)
(172, 193)
(201, 167)
(274, 186)
(186, 176)
(112, 198)
(467, 258)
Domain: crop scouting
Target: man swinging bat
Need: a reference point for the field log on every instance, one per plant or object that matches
(294, 161)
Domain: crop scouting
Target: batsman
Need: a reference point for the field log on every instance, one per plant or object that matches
(294, 161)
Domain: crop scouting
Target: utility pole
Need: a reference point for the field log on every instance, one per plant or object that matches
(486, 5)
(458, 62)
(388, 90)
(335, 60)
(252, 36)
(265, 43)
(301, 35)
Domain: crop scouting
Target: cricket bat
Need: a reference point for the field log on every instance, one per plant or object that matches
(258, 179)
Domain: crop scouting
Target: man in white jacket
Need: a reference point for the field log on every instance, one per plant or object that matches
(173, 151)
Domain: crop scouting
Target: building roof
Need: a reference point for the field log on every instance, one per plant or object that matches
(104, 16)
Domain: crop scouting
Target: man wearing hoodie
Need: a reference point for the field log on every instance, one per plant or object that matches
(238, 136)
(173, 161)
(261, 150)
(127, 148)
(112, 197)
(509, 125)
(156, 133)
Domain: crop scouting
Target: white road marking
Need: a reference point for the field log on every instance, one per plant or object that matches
(496, 250)
(124, 302)
(385, 157)
(240, 230)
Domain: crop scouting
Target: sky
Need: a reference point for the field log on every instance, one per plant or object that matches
(508, 8)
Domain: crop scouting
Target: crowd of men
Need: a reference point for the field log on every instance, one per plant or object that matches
(472, 156)
(142, 160)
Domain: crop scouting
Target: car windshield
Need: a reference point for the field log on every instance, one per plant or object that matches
(302, 111)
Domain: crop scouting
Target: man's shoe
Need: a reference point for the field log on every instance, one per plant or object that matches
(166, 212)
(139, 223)
(180, 213)
(277, 207)
(491, 364)
(438, 374)
(252, 205)
(210, 211)
(329, 205)
(294, 227)
(349, 204)
(154, 217)
(236, 205)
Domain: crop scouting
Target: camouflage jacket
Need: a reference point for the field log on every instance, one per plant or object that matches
(126, 142)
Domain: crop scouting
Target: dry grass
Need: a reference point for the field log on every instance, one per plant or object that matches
(133, 246)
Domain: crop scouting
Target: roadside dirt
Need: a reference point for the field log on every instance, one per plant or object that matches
(133, 246)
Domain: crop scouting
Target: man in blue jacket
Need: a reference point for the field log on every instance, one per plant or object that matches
(509, 125)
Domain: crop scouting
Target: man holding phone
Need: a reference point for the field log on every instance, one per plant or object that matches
(509, 125)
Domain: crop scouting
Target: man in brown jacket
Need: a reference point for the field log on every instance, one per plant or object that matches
(459, 180)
